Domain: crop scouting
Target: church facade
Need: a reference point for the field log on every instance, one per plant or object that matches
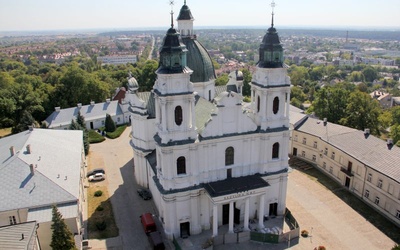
(207, 157)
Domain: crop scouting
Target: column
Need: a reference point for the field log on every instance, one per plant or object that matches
(164, 116)
(246, 214)
(215, 220)
(230, 217)
(261, 212)
(288, 104)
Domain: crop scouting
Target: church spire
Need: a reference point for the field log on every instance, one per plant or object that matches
(273, 6)
(171, 2)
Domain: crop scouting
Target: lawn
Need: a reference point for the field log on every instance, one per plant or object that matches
(97, 218)
(378, 220)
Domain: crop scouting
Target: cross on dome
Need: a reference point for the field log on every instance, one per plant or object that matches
(273, 7)
(171, 2)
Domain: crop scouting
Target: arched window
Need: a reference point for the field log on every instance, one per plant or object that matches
(181, 165)
(229, 156)
(178, 115)
(258, 103)
(275, 105)
(275, 150)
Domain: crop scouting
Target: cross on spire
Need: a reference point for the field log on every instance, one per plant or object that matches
(273, 6)
(184, 2)
(171, 2)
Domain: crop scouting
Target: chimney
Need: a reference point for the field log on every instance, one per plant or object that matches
(389, 141)
(91, 103)
(30, 128)
(79, 105)
(366, 131)
(32, 169)
(57, 109)
(28, 149)
(325, 121)
(12, 150)
(108, 100)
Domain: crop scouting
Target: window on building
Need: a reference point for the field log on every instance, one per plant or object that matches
(275, 150)
(295, 138)
(181, 165)
(324, 165)
(349, 166)
(229, 173)
(379, 183)
(102, 123)
(258, 103)
(229, 156)
(315, 144)
(398, 214)
(366, 194)
(326, 151)
(369, 177)
(178, 115)
(331, 170)
(13, 221)
(377, 200)
(209, 95)
(303, 153)
(118, 119)
(304, 140)
(275, 105)
(390, 189)
(314, 158)
(333, 156)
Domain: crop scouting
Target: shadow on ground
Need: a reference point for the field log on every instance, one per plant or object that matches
(375, 218)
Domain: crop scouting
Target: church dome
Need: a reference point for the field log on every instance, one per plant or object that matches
(199, 61)
(185, 13)
(132, 84)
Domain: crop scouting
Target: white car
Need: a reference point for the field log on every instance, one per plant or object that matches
(97, 177)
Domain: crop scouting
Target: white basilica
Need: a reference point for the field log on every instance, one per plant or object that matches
(207, 160)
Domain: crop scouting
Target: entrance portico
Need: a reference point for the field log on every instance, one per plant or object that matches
(232, 190)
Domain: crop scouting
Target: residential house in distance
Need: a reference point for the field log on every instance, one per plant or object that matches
(21, 236)
(94, 113)
(364, 164)
(117, 59)
(384, 99)
(40, 168)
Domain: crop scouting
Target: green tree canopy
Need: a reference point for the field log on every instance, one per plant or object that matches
(370, 73)
(109, 124)
(62, 238)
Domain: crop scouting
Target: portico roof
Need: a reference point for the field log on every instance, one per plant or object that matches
(235, 185)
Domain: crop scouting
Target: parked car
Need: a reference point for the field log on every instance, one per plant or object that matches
(97, 177)
(148, 223)
(144, 193)
(156, 240)
(95, 171)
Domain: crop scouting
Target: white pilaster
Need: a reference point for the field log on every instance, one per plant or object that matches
(230, 217)
(261, 211)
(246, 214)
(215, 220)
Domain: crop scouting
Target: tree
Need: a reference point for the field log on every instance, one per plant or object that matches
(395, 133)
(109, 124)
(25, 121)
(362, 112)
(80, 120)
(330, 103)
(222, 80)
(62, 238)
(370, 73)
(85, 136)
(246, 80)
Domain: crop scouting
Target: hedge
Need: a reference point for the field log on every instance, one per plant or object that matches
(117, 132)
(95, 137)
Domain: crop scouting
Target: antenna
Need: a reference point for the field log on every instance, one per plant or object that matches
(171, 2)
(273, 6)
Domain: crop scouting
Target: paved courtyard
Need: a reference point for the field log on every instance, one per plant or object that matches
(330, 221)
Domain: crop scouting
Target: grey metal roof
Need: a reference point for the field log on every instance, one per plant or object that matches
(369, 150)
(148, 98)
(11, 236)
(56, 156)
(90, 112)
(203, 110)
(185, 13)
(199, 61)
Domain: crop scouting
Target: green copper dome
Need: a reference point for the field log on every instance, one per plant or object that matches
(199, 61)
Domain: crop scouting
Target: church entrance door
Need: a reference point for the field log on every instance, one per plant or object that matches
(225, 214)
(185, 230)
(273, 209)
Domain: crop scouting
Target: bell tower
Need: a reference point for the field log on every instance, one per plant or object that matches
(174, 97)
(185, 21)
(270, 85)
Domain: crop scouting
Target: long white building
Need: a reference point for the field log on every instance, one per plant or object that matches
(206, 159)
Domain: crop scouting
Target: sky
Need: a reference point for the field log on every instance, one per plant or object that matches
(30, 15)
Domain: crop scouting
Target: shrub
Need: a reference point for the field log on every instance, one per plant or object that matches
(109, 124)
(101, 225)
(98, 193)
(99, 208)
(304, 233)
(117, 133)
